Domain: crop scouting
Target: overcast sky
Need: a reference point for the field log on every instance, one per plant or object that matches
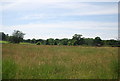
(60, 18)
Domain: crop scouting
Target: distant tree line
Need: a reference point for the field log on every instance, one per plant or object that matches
(16, 37)
(76, 40)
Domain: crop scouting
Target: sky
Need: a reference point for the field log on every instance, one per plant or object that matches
(42, 19)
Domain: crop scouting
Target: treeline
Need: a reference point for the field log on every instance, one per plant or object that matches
(16, 37)
(76, 40)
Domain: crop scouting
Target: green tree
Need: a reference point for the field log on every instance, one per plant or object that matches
(2, 36)
(39, 43)
(81, 41)
(89, 41)
(56, 42)
(98, 41)
(78, 40)
(39, 40)
(71, 42)
(16, 37)
(112, 42)
(28, 40)
(64, 41)
(33, 40)
(50, 41)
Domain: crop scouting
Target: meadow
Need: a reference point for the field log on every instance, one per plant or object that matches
(58, 62)
(3, 42)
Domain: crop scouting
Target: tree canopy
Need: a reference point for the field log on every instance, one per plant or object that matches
(17, 36)
(77, 39)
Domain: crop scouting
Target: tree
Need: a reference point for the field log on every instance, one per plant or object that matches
(17, 36)
(44, 42)
(82, 41)
(38, 43)
(113, 42)
(89, 41)
(33, 41)
(64, 41)
(7, 37)
(78, 40)
(77, 37)
(56, 42)
(50, 41)
(2, 36)
(98, 41)
(71, 42)
(39, 40)
(27, 40)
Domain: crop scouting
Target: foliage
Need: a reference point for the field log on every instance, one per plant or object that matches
(56, 42)
(16, 37)
(4, 36)
(98, 41)
(38, 43)
(50, 41)
(64, 41)
(77, 39)
(89, 41)
(33, 40)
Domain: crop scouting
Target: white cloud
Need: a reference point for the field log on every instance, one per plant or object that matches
(73, 24)
(37, 16)
(56, 9)
(65, 29)
(67, 9)
(43, 4)
(60, 0)
(96, 10)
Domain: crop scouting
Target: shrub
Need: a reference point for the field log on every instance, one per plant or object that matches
(38, 43)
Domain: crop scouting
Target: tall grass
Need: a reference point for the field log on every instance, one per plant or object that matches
(59, 62)
(9, 69)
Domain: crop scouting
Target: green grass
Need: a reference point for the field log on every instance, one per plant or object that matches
(4, 42)
(9, 69)
(26, 43)
(59, 62)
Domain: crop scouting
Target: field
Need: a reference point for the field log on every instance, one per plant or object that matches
(59, 62)
(4, 42)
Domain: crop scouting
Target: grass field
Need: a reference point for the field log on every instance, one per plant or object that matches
(26, 43)
(4, 42)
(59, 62)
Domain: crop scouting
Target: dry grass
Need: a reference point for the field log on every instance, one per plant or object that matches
(59, 62)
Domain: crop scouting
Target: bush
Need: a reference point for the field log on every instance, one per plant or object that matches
(38, 43)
